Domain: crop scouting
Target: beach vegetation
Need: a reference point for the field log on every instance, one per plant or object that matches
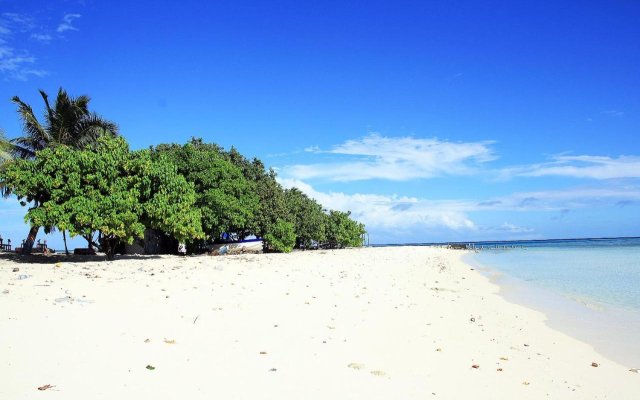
(308, 218)
(106, 188)
(5, 149)
(281, 237)
(342, 231)
(77, 175)
(67, 122)
(226, 200)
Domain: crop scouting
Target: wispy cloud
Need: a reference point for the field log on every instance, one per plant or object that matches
(41, 37)
(16, 30)
(563, 200)
(17, 65)
(584, 166)
(67, 23)
(613, 113)
(20, 22)
(512, 228)
(396, 159)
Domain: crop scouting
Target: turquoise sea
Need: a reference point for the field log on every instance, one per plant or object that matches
(600, 271)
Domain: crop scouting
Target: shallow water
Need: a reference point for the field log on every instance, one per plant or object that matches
(605, 272)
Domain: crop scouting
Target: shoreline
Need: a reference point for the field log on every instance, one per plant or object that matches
(611, 330)
(374, 323)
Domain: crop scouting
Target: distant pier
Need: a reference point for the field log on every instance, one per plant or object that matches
(479, 247)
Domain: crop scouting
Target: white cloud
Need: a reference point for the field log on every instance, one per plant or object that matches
(415, 217)
(16, 61)
(584, 166)
(507, 227)
(17, 66)
(67, 24)
(41, 37)
(613, 113)
(563, 200)
(381, 211)
(18, 21)
(395, 158)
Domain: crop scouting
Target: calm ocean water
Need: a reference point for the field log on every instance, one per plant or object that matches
(600, 271)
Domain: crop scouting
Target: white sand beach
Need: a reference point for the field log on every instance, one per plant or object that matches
(371, 323)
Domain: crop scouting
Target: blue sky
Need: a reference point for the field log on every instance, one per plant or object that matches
(431, 121)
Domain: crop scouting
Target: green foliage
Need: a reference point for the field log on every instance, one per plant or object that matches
(107, 189)
(5, 149)
(226, 199)
(168, 199)
(342, 231)
(281, 237)
(68, 122)
(308, 217)
(272, 206)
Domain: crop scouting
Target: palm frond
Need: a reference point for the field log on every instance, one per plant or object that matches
(36, 136)
(89, 129)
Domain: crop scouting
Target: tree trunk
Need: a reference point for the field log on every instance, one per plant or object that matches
(89, 239)
(109, 247)
(31, 239)
(64, 237)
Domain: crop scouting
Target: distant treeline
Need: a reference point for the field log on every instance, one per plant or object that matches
(92, 184)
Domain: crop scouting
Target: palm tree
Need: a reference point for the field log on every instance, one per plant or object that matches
(69, 122)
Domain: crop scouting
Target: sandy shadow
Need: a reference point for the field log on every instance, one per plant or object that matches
(55, 258)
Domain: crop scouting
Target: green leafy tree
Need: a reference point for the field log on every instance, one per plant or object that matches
(272, 204)
(281, 237)
(308, 217)
(226, 199)
(342, 231)
(107, 189)
(68, 122)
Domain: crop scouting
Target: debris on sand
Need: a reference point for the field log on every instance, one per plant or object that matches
(150, 367)
(46, 387)
(594, 364)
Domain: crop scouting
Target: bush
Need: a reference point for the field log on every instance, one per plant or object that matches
(282, 237)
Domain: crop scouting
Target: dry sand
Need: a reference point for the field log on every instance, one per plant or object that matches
(375, 323)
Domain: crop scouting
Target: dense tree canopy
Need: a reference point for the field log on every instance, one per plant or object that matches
(107, 189)
(308, 217)
(77, 175)
(226, 199)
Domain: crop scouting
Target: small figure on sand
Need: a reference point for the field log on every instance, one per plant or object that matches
(182, 249)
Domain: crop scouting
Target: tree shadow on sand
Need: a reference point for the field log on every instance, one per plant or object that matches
(55, 258)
